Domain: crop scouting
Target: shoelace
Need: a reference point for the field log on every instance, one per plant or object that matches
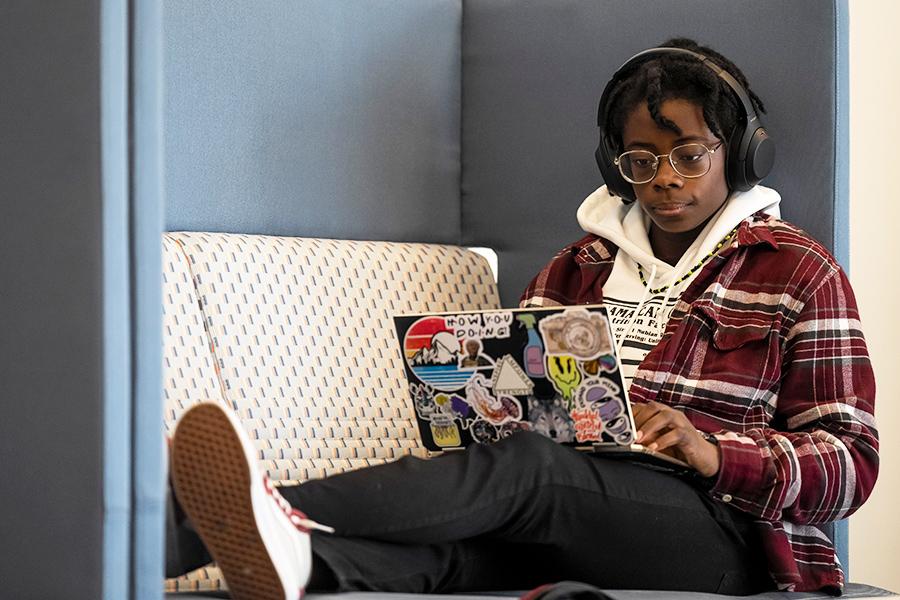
(296, 517)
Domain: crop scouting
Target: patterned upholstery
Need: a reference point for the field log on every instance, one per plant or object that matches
(296, 335)
(188, 366)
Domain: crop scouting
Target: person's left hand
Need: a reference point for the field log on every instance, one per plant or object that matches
(664, 429)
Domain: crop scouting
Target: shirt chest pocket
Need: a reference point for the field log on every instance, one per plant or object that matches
(733, 356)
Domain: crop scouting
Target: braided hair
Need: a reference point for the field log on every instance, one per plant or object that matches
(676, 76)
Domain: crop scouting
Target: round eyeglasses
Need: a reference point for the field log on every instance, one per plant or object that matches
(688, 160)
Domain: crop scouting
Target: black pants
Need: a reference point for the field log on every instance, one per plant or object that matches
(519, 513)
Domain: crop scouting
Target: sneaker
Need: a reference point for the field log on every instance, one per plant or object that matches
(258, 540)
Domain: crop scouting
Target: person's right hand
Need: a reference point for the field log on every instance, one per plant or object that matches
(668, 430)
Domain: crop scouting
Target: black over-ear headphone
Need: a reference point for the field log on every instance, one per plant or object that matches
(750, 151)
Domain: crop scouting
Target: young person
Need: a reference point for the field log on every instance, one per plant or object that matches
(740, 341)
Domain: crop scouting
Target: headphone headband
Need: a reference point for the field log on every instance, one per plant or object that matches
(750, 152)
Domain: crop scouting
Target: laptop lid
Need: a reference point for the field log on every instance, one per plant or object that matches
(476, 377)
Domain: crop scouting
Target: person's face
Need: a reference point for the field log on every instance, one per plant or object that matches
(676, 204)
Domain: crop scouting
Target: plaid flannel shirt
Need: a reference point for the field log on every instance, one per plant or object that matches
(764, 350)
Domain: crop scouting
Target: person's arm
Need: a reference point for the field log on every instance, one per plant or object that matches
(821, 463)
(569, 277)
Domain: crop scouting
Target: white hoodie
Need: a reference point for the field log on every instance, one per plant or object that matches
(639, 317)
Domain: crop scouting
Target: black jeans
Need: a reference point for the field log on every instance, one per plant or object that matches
(523, 512)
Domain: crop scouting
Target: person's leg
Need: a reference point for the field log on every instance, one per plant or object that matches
(184, 548)
(398, 567)
(458, 518)
(597, 520)
(186, 551)
(245, 526)
(258, 541)
(480, 565)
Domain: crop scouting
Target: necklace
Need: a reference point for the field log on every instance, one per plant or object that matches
(692, 270)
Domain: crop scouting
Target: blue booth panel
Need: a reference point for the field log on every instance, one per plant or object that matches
(315, 118)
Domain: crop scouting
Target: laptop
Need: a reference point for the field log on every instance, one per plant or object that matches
(476, 377)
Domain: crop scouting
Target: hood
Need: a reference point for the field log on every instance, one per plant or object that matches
(627, 226)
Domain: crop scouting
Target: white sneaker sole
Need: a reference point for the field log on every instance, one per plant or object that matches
(217, 482)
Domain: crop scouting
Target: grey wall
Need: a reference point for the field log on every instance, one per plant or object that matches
(534, 70)
(50, 300)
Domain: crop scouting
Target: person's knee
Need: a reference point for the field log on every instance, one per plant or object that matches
(533, 447)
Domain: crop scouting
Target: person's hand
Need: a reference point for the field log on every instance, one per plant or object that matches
(664, 429)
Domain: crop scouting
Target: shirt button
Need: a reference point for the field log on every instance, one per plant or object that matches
(726, 498)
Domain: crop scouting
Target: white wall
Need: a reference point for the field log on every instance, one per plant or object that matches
(874, 248)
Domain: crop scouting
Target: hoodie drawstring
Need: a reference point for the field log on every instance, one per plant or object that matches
(660, 323)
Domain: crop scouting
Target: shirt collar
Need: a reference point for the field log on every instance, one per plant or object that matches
(756, 230)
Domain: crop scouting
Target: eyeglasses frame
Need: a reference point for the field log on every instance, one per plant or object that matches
(668, 156)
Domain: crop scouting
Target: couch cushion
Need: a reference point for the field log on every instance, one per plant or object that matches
(300, 334)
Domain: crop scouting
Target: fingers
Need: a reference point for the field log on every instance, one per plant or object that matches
(665, 429)
(642, 412)
(674, 438)
(656, 419)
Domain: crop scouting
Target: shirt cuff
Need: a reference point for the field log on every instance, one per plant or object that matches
(741, 467)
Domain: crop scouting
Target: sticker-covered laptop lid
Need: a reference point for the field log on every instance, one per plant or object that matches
(480, 376)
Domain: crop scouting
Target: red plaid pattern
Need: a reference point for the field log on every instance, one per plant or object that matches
(764, 349)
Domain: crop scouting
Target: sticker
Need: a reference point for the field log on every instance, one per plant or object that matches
(496, 410)
(533, 354)
(423, 399)
(607, 363)
(591, 367)
(593, 390)
(507, 429)
(550, 417)
(615, 419)
(473, 356)
(444, 431)
(490, 325)
(599, 409)
(509, 378)
(483, 432)
(564, 373)
(620, 429)
(610, 408)
(453, 405)
(576, 332)
(432, 352)
(588, 425)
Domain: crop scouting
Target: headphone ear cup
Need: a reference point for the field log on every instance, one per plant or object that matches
(760, 156)
(615, 183)
(734, 170)
(751, 155)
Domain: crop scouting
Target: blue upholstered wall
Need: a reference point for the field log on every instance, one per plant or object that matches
(317, 118)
